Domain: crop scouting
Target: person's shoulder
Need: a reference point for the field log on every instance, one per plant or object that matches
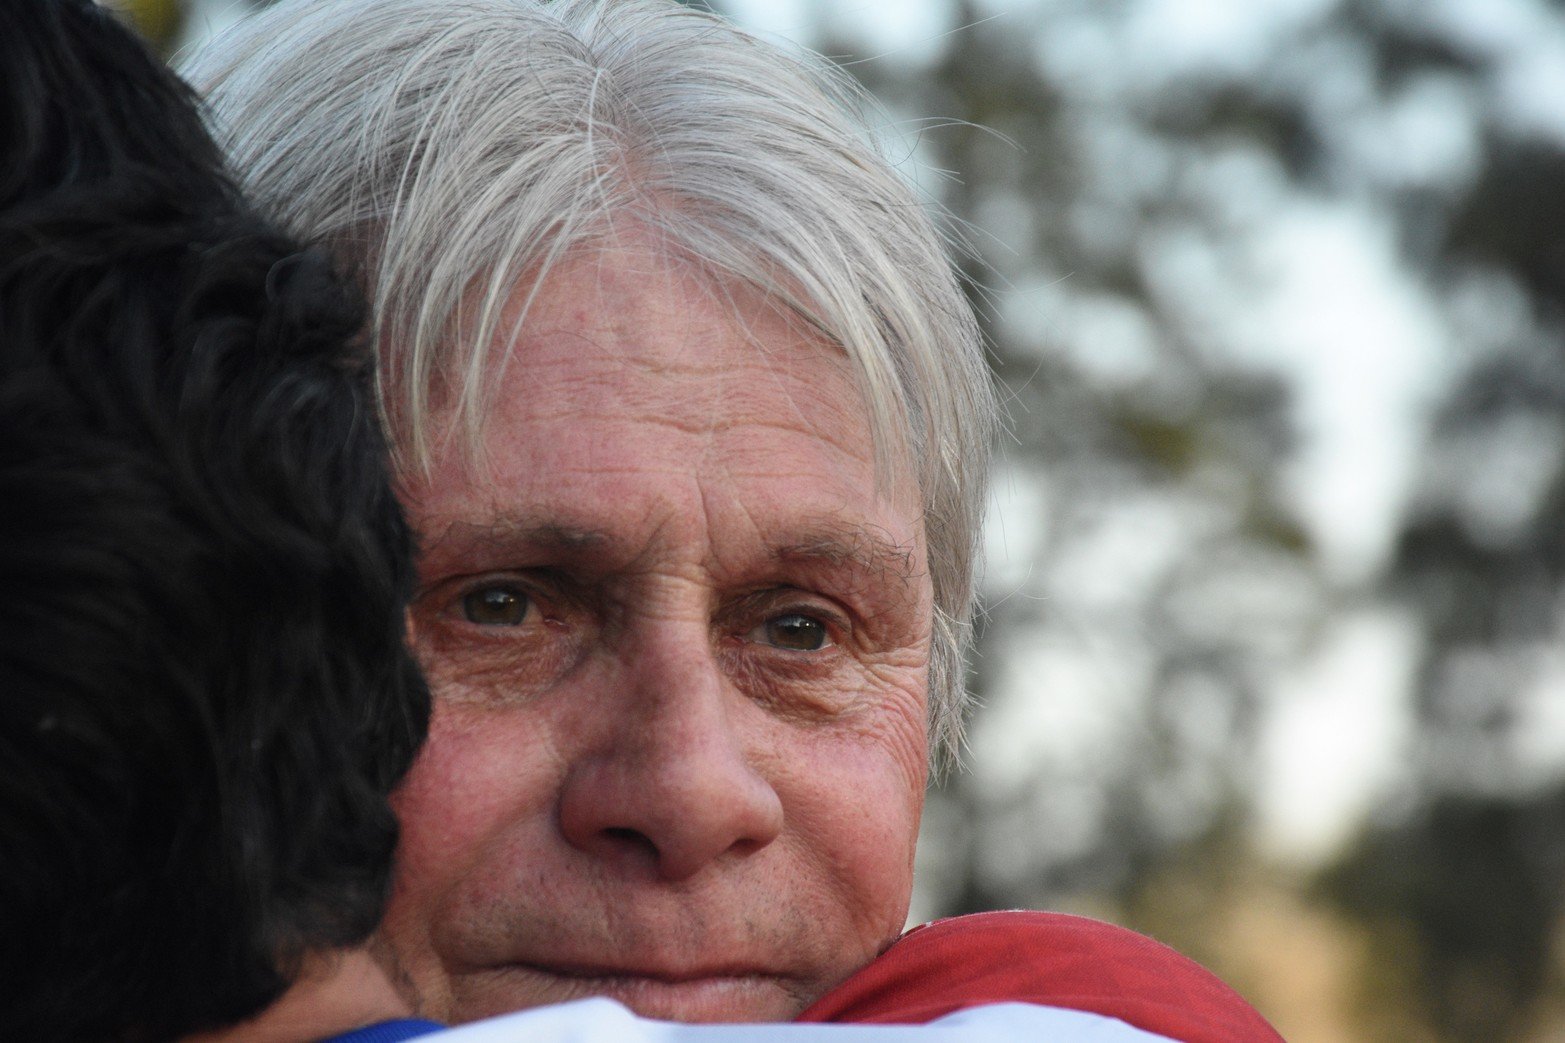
(1046, 959)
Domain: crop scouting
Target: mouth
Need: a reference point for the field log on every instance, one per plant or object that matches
(708, 994)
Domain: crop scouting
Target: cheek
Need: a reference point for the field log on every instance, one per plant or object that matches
(466, 789)
(854, 810)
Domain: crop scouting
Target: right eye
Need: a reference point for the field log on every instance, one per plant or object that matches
(794, 631)
(496, 606)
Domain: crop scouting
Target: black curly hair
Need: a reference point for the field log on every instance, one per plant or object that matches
(205, 698)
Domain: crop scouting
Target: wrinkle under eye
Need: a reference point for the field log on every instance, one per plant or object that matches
(495, 606)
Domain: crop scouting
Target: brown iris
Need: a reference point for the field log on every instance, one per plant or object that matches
(495, 607)
(796, 632)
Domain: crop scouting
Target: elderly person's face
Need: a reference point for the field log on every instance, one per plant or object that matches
(679, 646)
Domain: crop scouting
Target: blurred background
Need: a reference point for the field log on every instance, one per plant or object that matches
(1273, 660)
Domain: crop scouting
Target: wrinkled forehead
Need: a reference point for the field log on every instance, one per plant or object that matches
(602, 287)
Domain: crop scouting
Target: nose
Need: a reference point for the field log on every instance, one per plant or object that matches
(671, 783)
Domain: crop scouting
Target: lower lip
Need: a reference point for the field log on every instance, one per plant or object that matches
(724, 997)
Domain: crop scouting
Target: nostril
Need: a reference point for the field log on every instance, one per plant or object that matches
(630, 838)
(747, 846)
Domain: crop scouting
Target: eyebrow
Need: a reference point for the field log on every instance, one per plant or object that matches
(503, 536)
(866, 548)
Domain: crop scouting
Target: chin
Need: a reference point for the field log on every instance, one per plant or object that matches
(720, 997)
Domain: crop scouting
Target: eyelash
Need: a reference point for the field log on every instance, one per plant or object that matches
(836, 624)
(453, 604)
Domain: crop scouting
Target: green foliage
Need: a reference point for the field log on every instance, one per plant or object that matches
(161, 22)
(1472, 886)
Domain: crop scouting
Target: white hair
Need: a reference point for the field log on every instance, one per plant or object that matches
(454, 148)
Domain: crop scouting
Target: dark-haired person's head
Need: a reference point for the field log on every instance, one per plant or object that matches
(205, 698)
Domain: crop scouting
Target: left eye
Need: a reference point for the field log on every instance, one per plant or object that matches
(795, 632)
(496, 606)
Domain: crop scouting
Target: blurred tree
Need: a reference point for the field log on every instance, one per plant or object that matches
(1116, 189)
(1149, 452)
(1472, 863)
(1470, 886)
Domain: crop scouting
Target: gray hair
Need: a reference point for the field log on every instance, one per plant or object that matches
(453, 148)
